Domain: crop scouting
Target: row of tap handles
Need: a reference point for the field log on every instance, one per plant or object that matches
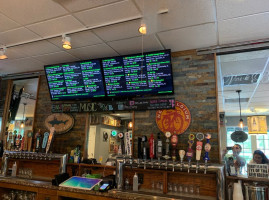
(157, 151)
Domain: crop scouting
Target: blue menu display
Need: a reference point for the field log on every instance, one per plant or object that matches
(78, 80)
(139, 74)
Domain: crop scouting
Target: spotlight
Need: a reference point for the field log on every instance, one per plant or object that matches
(66, 42)
(143, 29)
(2, 53)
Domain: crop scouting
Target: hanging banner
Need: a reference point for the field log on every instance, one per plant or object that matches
(174, 121)
(257, 125)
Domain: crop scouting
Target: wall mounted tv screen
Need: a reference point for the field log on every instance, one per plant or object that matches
(77, 80)
(136, 75)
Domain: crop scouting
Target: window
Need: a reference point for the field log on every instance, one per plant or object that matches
(263, 143)
(253, 143)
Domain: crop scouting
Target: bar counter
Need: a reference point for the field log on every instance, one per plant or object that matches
(46, 191)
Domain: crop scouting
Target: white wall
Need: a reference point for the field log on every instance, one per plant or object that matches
(96, 146)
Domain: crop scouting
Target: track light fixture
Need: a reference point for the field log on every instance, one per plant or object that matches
(66, 42)
(143, 29)
(2, 53)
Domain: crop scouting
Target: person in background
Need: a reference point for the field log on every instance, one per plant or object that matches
(259, 158)
(234, 159)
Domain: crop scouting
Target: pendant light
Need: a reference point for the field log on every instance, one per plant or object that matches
(66, 42)
(3, 53)
(130, 124)
(22, 122)
(241, 124)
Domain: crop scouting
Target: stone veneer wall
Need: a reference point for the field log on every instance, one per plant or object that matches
(195, 86)
(194, 82)
(63, 143)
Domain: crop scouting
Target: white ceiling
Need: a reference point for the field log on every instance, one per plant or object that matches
(32, 29)
(255, 62)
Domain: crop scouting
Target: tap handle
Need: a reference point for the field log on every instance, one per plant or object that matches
(151, 146)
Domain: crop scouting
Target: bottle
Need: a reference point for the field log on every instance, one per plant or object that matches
(126, 184)
(135, 182)
(14, 170)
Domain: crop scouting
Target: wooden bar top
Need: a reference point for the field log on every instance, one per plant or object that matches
(62, 192)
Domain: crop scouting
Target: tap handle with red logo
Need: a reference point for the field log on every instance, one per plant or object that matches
(199, 145)
(174, 141)
(151, 146)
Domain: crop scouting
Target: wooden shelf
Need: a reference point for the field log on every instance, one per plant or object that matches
(245, 178)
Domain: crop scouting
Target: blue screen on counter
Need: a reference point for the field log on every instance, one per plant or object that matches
(133, 75)
(77, 80)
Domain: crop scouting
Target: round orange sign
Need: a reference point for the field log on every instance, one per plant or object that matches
(174, 121)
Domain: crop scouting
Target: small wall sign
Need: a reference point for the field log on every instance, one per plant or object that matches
(258, 170)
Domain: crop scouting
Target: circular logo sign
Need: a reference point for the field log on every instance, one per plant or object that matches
(174, 121)
(60, 121)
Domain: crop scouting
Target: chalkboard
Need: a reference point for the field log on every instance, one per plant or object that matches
(145, 104)
(241, 79)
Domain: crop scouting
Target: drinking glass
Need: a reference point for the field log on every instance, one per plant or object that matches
(191, 190)
(180, 188)
(175, 187)
(186, 189)
(152, 185)
(170, 187)
(197, 190)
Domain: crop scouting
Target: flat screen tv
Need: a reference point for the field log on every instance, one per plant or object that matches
(138, 75)
(76, 80)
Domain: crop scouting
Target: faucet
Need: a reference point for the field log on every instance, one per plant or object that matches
(181, 155)
(4, 164)
(189, 166)
(197, 166)
(119, 172)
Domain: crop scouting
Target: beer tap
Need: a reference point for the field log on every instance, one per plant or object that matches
(190, 151)
(144, 140)
(174, 141)
(207, 150)
(139, 151)
(159, 149)
(151, 148)
(128, 149)
(199, 146)
(166, 157)
(181, 155)
(121, 148)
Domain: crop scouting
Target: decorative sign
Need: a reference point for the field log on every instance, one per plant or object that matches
(144, 104)
(257, 125)
(60, 121)
(241, 79)
(174, 121)
(258, 170)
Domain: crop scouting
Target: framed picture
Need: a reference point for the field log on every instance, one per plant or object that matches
(29, 122)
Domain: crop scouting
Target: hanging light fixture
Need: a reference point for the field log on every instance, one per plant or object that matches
(22, 122)
(241, 124)
(143, 29)
(2, 53)
(130, 124)
(66, 42)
